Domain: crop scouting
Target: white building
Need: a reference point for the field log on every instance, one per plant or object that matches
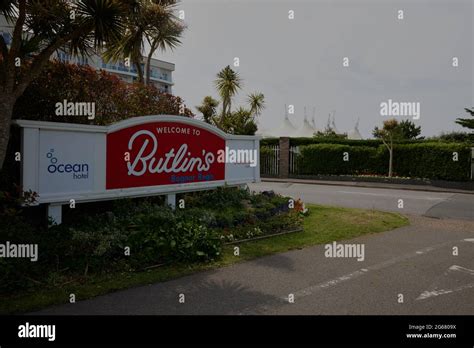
(161, 71)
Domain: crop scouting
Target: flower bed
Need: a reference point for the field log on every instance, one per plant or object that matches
(130, 235)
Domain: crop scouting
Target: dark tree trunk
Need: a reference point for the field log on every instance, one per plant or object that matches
(6, 110)
(148, 62)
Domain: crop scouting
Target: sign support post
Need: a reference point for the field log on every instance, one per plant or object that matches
(170, 200)
(55, 212)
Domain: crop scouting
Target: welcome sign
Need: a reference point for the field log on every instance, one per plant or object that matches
(141, 156)
(163, 153)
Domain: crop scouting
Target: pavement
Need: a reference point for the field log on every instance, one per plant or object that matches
(424, 268)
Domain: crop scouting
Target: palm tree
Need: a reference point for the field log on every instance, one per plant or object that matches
(42, 27)
(149, 21)
(208, 109)
(256, 101)
(227, 83)
(165, 30)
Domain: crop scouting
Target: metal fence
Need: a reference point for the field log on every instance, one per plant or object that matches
(270, 160)
(294, 153)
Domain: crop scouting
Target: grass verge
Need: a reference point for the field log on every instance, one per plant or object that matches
(324, 224)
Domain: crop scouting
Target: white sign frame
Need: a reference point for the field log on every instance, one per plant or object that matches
(34, 133)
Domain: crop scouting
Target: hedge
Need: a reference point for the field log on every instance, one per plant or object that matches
(329, 159)
(419, 160)
(375, 143)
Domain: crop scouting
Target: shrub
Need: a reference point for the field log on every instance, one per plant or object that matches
(433, 161)
(89, 242)
(223, 197)
(328, 159)
(114, 99)
(428, 160)
(455, 137)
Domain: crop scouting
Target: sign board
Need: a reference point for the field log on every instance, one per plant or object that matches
(141, 156)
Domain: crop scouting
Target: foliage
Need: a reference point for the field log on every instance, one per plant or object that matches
(454, 137)
(409, 130)
(114, 99)
(208, 108)
(228, 82)
(241, 121)
(467, 122)
(420, 160)
(329, 134)
(79, 27)
(147, 21)
(330, 159)
(390, 131)
(130, 235)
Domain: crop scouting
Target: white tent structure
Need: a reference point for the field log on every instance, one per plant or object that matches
(313, 122)
(306, 130)
(333, 122)
(354, 133)
(286, 128)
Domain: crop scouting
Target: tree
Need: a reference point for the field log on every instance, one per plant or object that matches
(467, 122)
(409, 130)
(228, 82)
(148, 20)
(39, 29)
(165, 29)
(208, 108)
(391, 131)
(257, 103)
(242, 121)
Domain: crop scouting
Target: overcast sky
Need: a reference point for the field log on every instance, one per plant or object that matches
(299, 61)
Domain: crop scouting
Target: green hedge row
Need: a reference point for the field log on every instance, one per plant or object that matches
(365, 142)
(420, 160)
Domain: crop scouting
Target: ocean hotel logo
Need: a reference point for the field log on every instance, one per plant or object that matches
(78, 170)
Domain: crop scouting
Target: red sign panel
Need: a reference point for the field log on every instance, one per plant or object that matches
(163, 153)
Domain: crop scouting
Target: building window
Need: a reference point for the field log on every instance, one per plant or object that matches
(6, 37)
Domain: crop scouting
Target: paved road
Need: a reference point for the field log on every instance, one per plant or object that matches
(433, 204)
(415, 261)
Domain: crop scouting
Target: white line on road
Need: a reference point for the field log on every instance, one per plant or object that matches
(314, 288)
(427, 294)
(462, 269)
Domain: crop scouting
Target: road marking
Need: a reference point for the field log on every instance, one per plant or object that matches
(427, 294)
(262, 308)
(330, 283)
(314, 288)
(392, 195)
(469, 240)
(461, 269)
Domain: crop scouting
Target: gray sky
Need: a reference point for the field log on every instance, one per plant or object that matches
(299, 61)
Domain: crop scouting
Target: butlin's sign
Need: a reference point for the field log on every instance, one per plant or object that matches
(163, 153)
(142, 156)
